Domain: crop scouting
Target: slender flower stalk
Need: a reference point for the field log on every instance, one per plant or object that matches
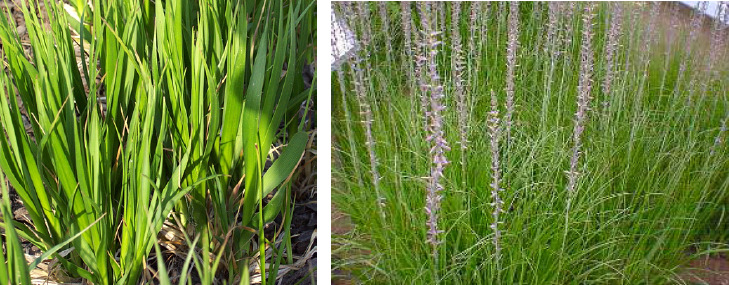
(405, 12)
(386, 26)
(420, 56)
(435, 136)
(694, 29)
(650, 34)
(552, 51)
(366, 112)
(670, 38)
(457, 66)
(347, 13)
(718, 35)
(442, 18)
(358, 68)
(363, 14)
(583, 104)
(502, 8)
(648, 37)
(455, 34)
(611, 48)
(552, 27)
(536, 16)
(339, 36)
(496, 202)
(583, 96)
(408, 58)
(501, 19)
(569, 12)
(414, 32)
(352, 144)
(511, 50)
(636, 13)
(483, 23)
(716, 47)
(474, 27)
(474, 49)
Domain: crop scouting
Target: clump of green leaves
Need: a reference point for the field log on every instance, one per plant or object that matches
(196, 95)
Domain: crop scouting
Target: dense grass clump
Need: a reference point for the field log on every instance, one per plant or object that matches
(180, 117)
(594, 149)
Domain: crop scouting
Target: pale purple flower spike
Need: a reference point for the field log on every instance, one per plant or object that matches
(435, 132)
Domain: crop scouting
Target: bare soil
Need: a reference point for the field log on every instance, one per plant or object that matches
(710, 270)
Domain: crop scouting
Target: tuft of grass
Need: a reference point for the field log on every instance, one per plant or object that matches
(200, 120)
(650, 171)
